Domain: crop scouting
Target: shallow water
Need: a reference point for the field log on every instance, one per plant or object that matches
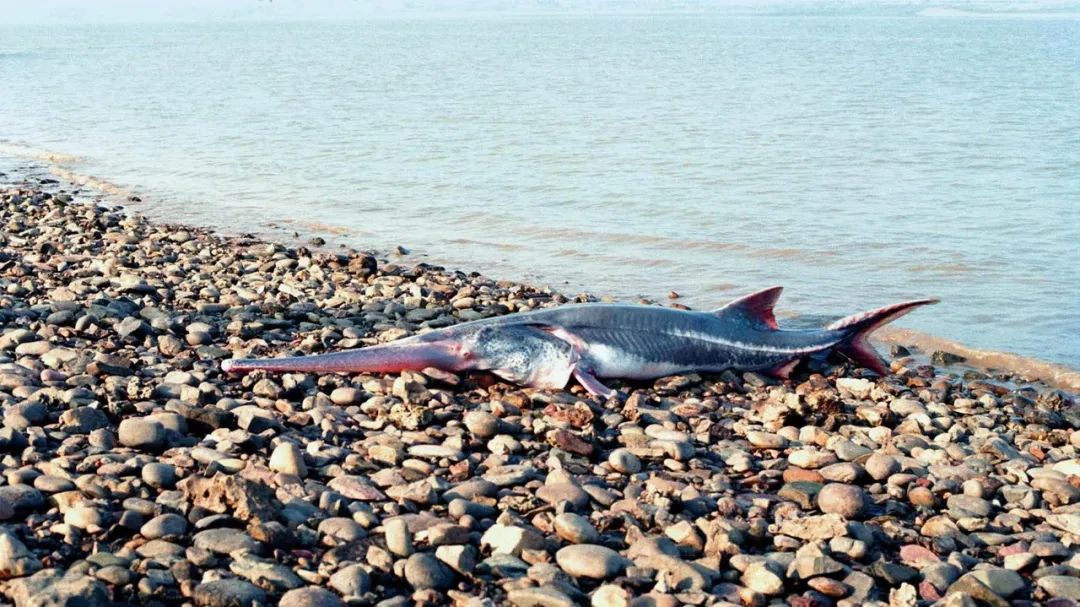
(856, 159)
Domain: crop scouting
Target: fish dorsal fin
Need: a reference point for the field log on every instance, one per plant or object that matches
(757, 306)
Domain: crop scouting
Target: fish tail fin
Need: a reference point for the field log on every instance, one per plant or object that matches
(858, 327)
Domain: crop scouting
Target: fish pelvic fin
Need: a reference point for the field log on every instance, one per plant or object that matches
(784, 369)
(858, 327)
(758, 306)
(588, 381)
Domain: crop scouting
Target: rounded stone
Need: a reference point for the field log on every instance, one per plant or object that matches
(610, 595)
(482, 424)
(346, 395)
(423, 570)
(848, 501)
(624, 461)
(310, 596)
(766, 440)
(880, 466)
(145, 434)
(164, 526)
(590, 561)
(921, 496)
(760, 577)
(228, 593)
(288, 459)
(564, 492)
(85, 517)
(811, 459)
(399, 539)
(843, 472)
(973, 488)
(1061, 586)
(225, 541)
(159, 475)
(339, 529)
(538, 596)
(53, 484)
(575, 528)
(351, 581)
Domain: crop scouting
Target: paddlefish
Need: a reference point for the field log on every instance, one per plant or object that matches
(590, 342)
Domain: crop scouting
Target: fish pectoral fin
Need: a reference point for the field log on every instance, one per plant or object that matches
(593, 385)
(584, 375)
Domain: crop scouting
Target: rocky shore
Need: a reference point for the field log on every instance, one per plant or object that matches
(135, 472)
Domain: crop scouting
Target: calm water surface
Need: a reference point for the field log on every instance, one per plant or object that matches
(858, 160)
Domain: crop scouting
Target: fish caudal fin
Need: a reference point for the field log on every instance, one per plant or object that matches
(856, 346)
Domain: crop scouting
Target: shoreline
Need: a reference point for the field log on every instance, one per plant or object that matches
(139, 474)
(322, 237)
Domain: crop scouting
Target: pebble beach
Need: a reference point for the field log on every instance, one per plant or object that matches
(134, 472)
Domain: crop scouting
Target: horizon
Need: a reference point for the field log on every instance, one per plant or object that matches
(54, 12)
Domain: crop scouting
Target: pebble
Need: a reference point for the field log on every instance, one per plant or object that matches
(351, 582)
(85, 517)
(610, 595)
(143, 434)
(229, 593)
(423, 570)
(1061, 586)
(164, 526)
(399, 539)
(811, 459)
(762, 577)
(159, 475)
(559, 493)
(539, 597)
(482, 424)
(624, 461)
(287, 459)
(310, 596)
(575, 528)
(848, 501)
(590, 561)
(880, 466)
(225, 541)
(15, 559)
(135, 472)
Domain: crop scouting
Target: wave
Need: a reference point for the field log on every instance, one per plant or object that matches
(89, 181)
(1051, 374)
(317, 226)
(8, 148)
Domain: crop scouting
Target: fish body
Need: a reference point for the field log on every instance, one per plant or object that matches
(545, 348)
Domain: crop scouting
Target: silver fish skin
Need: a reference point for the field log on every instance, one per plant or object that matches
(544, 348)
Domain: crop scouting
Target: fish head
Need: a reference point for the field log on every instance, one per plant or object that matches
(521, 354)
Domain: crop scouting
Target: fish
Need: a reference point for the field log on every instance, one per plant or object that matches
(590, 342)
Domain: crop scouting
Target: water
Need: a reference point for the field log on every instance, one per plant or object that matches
(857, 159)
